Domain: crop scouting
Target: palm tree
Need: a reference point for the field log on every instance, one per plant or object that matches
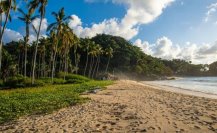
(92, 53)
(27, 18)
(33, 5)
(56, 29)
(68, 39)
(6, 7)
(85, 46)
(109, 52)
(99, 51)
(54, 49)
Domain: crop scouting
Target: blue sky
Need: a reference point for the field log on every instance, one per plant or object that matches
(172, 25)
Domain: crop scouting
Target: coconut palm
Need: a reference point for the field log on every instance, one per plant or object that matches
(109, 52)
(33, 5)
(68, 40)
(6, 7)
(85, 43)
(99, 51)
(93, 54)
(56, 30)
(27, 18)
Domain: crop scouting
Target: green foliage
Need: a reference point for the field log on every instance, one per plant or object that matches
(73, 78)
(1, 83)
(17, 81)
(18, 102)
(55, 80)
(76, 78)
(20, 82)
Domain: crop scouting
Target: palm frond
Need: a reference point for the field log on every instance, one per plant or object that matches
(21, 11)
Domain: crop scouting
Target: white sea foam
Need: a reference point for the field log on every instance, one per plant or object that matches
(198, 84)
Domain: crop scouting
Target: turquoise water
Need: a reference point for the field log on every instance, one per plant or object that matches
(199, 84)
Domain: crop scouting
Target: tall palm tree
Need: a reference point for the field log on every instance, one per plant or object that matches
(56, 29)
(6, 7)
(54, 40)
(109, 52)
(27, 18)
(92, 53)
(33, 5)
(101, 51)
(69, 39)
(86, 46)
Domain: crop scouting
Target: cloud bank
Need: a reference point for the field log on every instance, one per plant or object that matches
(138, 12)
(164, 48)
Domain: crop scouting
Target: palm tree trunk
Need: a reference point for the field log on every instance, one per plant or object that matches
(75, 58)
(53, 65)
(36, 50)
(26, 43)
(2, 32)
(19, 64)
(94, 70)
(44, 64)
(91, 64)
(22, 65)
(97, 70)
(87, 59)
(106, 70)
(65, 65)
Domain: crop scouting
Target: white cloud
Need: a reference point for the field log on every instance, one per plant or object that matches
(164, 48)
(11, 35)
(138, 12)
(211, 11)
(44, 24)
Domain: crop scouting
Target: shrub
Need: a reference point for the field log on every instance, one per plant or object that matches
(17, 81)
(77, 77)
(1, 83)
(73, 78)
(60, 75)
(38, 83)
(20, 82)
(55, 80)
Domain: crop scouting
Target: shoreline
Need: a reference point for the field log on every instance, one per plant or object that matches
(178, 90)
(127, 106)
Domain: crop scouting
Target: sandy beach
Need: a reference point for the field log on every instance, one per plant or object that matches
(127, 106)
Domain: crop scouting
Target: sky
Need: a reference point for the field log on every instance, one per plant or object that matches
(167, 29)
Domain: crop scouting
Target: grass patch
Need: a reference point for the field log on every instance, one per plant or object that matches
(38, 100)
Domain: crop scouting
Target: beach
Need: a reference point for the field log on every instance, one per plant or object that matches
(128, 106)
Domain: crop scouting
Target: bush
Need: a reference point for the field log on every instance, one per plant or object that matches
(1, 83)
(73, 78)
(38, 83)
(55, 80)
(20, 82)
(17, 82)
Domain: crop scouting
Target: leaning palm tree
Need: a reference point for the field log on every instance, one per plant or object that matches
(33, 5)
(27, 18)
(109, 52)
(6, 7)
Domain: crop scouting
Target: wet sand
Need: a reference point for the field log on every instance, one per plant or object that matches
(128, 106)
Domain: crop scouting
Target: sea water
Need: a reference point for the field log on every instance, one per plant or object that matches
(199, 84)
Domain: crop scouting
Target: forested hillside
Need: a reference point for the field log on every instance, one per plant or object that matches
(95, 56)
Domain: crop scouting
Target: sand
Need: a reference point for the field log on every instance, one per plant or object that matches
(127, 106)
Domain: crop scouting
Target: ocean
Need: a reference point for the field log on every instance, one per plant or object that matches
(198, 84)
